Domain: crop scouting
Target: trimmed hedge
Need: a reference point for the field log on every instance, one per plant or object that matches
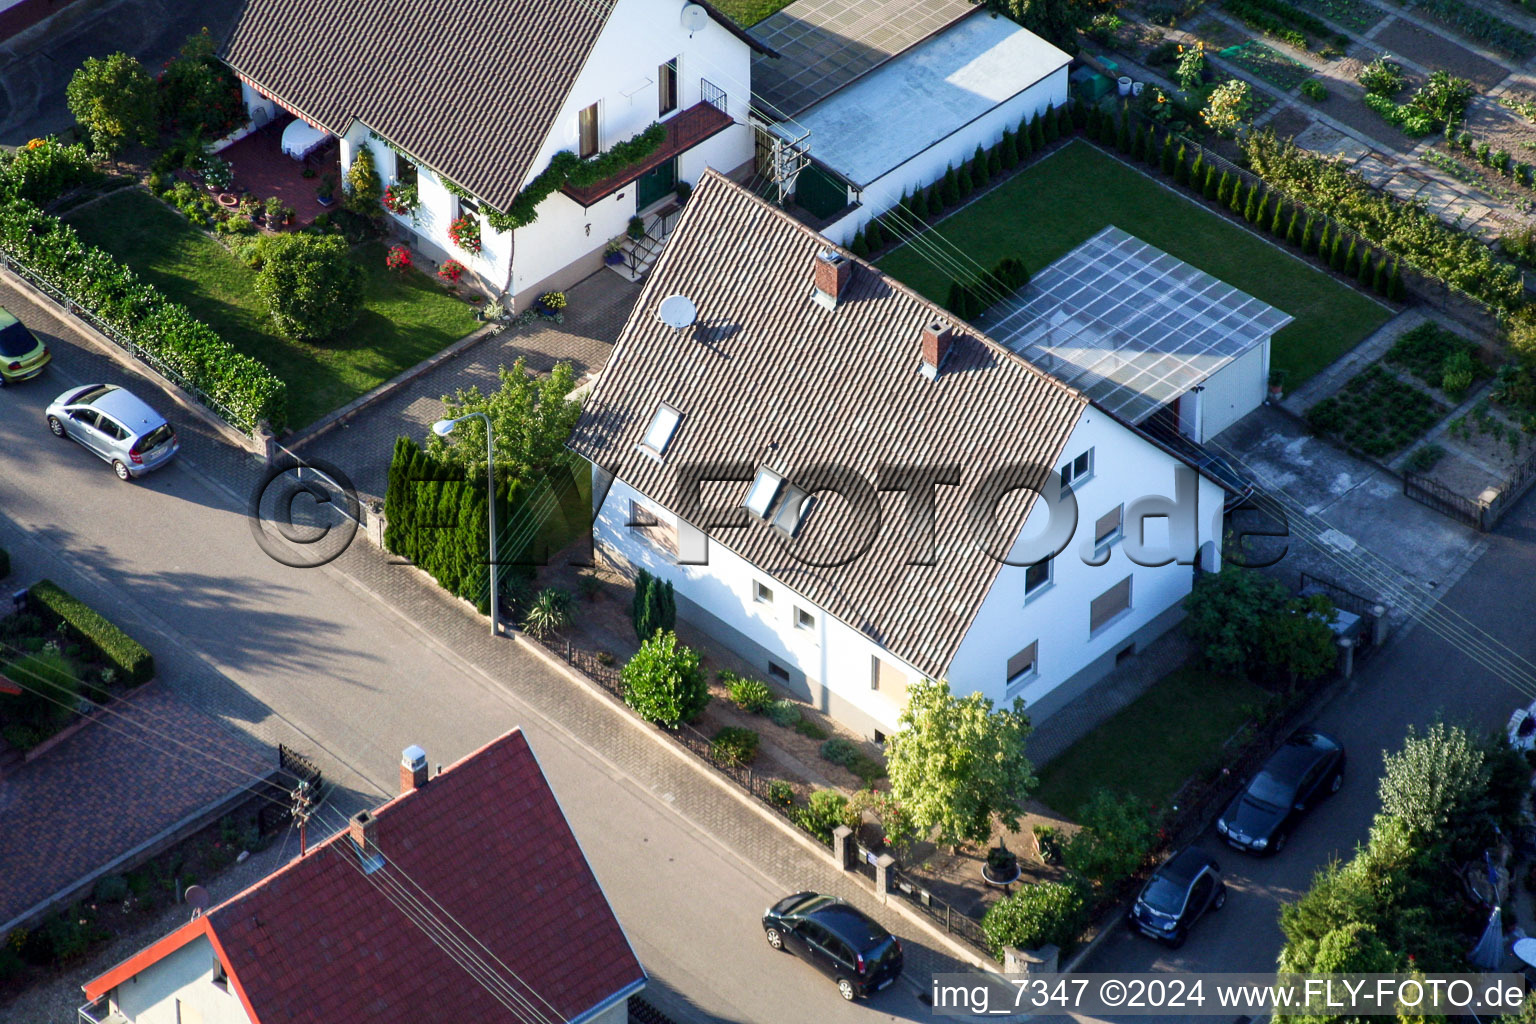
(89, 626)
(113, 293)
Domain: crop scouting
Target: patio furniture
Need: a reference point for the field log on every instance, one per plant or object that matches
(300, 139)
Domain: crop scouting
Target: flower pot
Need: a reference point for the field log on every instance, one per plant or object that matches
(1276, 392)
(1124, 85)
(325, 200)
(1001, 879)
(1137, 87)
(229, 200)
(613, 259)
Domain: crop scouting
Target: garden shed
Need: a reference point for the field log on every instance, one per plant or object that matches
(897, 127)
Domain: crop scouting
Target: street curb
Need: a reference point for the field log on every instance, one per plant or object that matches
(955, 949)
(331, 420)
(117, 353)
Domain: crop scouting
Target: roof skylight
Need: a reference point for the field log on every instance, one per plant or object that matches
(663, 426)
(763, 492)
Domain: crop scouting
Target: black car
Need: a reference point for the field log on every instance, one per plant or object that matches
(1307, 768)
(845, 944)
(1183, 888)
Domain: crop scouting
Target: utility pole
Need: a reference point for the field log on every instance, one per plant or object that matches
(301, 812)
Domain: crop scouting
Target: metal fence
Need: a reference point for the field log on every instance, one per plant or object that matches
(1350, 602)
(715, 96)
(954, 921)
(294, 768)
(44, 284)
(1476, 513)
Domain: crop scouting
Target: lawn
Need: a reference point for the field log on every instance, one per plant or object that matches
(1151, 747)
(1076, 192)
(750, 12)
(405, 318)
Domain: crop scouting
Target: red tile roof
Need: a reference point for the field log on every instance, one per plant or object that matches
(481, 853)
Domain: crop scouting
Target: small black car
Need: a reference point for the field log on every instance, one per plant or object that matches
(1307, 768)
(842, 942)
(1183, 888)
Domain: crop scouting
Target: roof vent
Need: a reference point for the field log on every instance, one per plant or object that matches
(937, 339)
(413, 768)
(832, 272)
(677, 312)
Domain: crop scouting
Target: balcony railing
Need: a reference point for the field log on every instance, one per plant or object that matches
(715, 96)
(101, 1012)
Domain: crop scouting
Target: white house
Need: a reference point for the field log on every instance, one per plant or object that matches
(335, 934)
(829, 470)
(896, 128)
(471, 101)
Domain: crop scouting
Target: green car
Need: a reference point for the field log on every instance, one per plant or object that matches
(22, 356)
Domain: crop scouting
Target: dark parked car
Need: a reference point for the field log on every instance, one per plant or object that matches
(1307, 768)
(844, 943)
(1178, 893)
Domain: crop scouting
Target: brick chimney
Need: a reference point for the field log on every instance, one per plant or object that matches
(937, 338)
(413, 769)
(365, 832)
(832, 272)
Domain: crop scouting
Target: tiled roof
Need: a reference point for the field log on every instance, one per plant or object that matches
(470, 87)
(487, 848)
(766, 364)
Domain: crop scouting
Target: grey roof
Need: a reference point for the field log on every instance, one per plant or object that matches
(468, 87)
(766, 364)
(825, 44)
(1131, 326)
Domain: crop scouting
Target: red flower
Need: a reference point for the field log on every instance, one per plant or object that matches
(451, 271)
(398, 258)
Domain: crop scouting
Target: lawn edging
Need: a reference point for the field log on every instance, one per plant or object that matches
(332, 420)
(120, 355)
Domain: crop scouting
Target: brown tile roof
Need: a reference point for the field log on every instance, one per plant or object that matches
(469, 87)
(486, 840)
(766, 364)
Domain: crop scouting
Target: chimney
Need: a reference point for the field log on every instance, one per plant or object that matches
(832, 273)
(365, 832)
(937, 338)
(413, 769)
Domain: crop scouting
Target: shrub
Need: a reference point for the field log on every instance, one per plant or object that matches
(733, 745)
(1226, 611)
(199, 93)
(1117, 835)
(654, 606)
(1457, 375)
(751, 695)
(549, 613)
(781, 794)
(663, 681)
(809, 729)
(783, 713)
(1048, 913)
(45, 169)
(86, 626)
(1314, 90)
(310, 287)
(1424, 459)
(364, 189)
(1438, 777)
(47, 701)
(840, 751)
(1382, 77)
(111, 889)
(826, 810)
(115, 100)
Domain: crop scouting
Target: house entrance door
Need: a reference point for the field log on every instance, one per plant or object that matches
(654, 186)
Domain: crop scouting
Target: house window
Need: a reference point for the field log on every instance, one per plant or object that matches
(660, 535)
(1106, 606)
(1109, 527)
(663, 426)
(468, 207)
(1022, 666)
(1037, 577)
(778, 671)
(804, 619)
(1078, 470)
(666, 86)
(220, 976)
(587, 131)
(405, 171)
(887, 679)
(761, 594)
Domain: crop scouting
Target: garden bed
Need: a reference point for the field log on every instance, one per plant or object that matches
(1376, 414)
(1267, 63)
(1436, 52)
(1356, 16)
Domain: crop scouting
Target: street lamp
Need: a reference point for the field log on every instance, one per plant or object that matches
(442, 428)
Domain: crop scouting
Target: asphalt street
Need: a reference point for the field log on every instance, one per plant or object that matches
(321, 659)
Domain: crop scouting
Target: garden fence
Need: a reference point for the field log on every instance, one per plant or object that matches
(1476, 513)
(42, 283)
(954, 921)
(1350, 602)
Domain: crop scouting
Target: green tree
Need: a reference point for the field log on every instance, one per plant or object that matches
(364, 189)
(957, 763)
(949, 187)
(43, 170)
(1165, 157)
(664, 683)
(860, 245)
(1225, 616)
(981, 173)
(1138, 144)
(919, 204)
(874, 235)
(199, 94)
(1224, 188)
(311, 288)
(1123, 141)
(1293, 227)
(967, 184)
(1295, 642)
(1436, 778)
(1352, 258)
(1380, 278)
(116, 102)
(1050, 124)
(1277, 219)
(1336, 251)
(1181, 165)
(654, 607)
(1212, 183)
(1246, 202)
(1152, 153)
(1055, 21)
(1010, 150)
(531, 417)
(1325, 242)
(1117, 836)
(1261, 212)
(995, 160)
(1366, 270)
(1397, 291)
(1036, 133)
(1308, 236)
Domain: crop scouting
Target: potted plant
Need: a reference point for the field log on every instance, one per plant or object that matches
(398, 258)
(450, 272)
(613, 253)
(325, 192)
(636, 228)
(217, 174)
(308, 172)
(250, 208)
(494, 310)
(1276, 385)
(551, 303)
(401, 199)
(1002, 866)
(465, 233)
(274, 208)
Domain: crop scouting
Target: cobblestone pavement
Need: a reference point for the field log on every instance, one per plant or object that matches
(361, 447)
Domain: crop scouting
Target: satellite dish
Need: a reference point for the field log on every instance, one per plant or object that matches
(197, 898)
(695, 17)
(677, 312)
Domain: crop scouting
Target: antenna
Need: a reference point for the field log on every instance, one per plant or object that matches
(197, 898)
(695, 17)
(677, 312)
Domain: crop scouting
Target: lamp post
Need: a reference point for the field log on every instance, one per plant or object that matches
(442, 428)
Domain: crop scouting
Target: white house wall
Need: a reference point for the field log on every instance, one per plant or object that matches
(928, 166)
(151, 996)
(833, 661)
(1234, 391)
(1126, 467)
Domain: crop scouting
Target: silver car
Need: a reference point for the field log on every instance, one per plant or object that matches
(116, 425)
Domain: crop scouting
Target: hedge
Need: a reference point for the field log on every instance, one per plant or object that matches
(88, 626)
(178, 342)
